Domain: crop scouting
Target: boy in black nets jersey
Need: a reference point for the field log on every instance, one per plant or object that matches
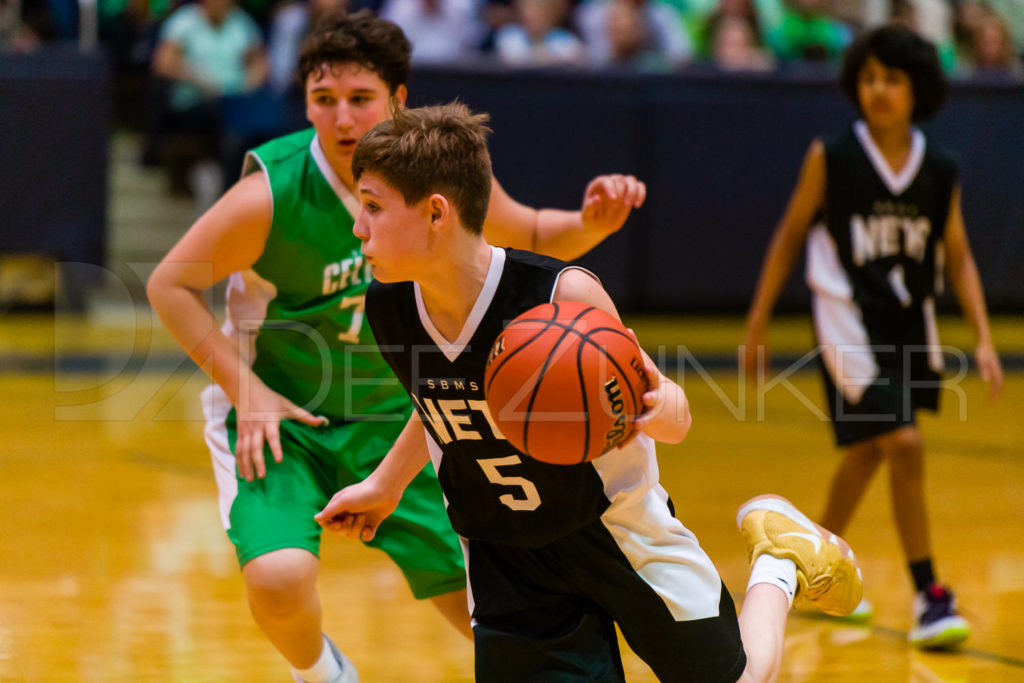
(879, 210)
(555, 555)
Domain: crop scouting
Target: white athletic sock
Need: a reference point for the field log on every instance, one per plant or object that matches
(781, 573)
(327, 668)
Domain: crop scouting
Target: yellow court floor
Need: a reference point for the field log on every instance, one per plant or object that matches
(114, 567)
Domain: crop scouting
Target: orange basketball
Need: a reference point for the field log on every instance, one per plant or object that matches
(564, 382)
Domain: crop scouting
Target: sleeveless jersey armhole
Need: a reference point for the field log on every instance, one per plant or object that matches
(565, 270)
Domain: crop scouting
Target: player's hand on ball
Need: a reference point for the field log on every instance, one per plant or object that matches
(260, 411)
(356, 511)
(666, 414)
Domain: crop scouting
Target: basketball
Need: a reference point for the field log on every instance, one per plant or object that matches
(564, 382)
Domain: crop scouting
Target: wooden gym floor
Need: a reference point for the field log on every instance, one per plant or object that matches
(113, 565)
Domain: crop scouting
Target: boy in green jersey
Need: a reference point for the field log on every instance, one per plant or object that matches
(294, 342)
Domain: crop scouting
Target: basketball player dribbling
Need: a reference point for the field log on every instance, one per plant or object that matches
(889, 207)
(556, 556)
(295, 339)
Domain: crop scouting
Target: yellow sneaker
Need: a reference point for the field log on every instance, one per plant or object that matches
(826, 570)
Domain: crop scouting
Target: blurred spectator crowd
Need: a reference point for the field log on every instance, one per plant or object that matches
(219, 74)
(649, 35)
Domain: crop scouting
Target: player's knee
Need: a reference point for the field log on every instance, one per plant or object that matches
(280, 582)
(903, 443)
(905, 453)
(864, 455)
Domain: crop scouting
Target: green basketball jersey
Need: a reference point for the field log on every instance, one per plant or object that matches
(304, 297)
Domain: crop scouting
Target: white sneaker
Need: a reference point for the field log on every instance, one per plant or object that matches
(348, 669)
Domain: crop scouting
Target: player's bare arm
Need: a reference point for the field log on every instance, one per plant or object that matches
(357, 510)
(607, 203)
(666, 415)
(783, 252)
(228, 238)
(963, 274)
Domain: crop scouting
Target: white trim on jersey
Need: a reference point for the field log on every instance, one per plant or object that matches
(563, 271)
(931, 336)
(824, 273)
(898, 283)
(470, 600)
(216, 407)
(896, 182)
(666, 555)
(252, 164)
(845, 346)
(350, 201)
(436, 456)
(452, 349)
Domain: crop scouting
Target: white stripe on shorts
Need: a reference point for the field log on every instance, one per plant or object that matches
(845, 348)
(216, 406)
(666, 555)
(931, 335)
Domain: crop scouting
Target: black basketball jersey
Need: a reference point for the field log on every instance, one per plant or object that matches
(493, 492)
(881, 240)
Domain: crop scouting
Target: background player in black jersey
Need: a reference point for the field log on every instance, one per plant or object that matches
(556, 556)
(885, 211)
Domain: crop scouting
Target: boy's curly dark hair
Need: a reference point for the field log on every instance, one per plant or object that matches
(359, 38)
(898, 47)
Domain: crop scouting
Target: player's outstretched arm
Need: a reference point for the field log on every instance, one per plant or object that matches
(356, 511)
(229, 237)
(666, 415)
(607, 203)
(782, 254)
(963, 274)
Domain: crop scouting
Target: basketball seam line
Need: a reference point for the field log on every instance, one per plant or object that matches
(522, 346)
(544, 368)
(583, 395)
(587, 340)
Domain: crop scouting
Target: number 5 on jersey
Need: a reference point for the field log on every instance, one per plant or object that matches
(531, 499)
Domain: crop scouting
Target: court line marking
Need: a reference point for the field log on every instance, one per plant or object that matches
(897, 634)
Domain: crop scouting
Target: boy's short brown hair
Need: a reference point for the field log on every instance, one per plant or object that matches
(440, 149)
(357, 38)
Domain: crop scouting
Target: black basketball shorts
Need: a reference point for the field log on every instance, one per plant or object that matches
(549, 613)
(878, 367)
